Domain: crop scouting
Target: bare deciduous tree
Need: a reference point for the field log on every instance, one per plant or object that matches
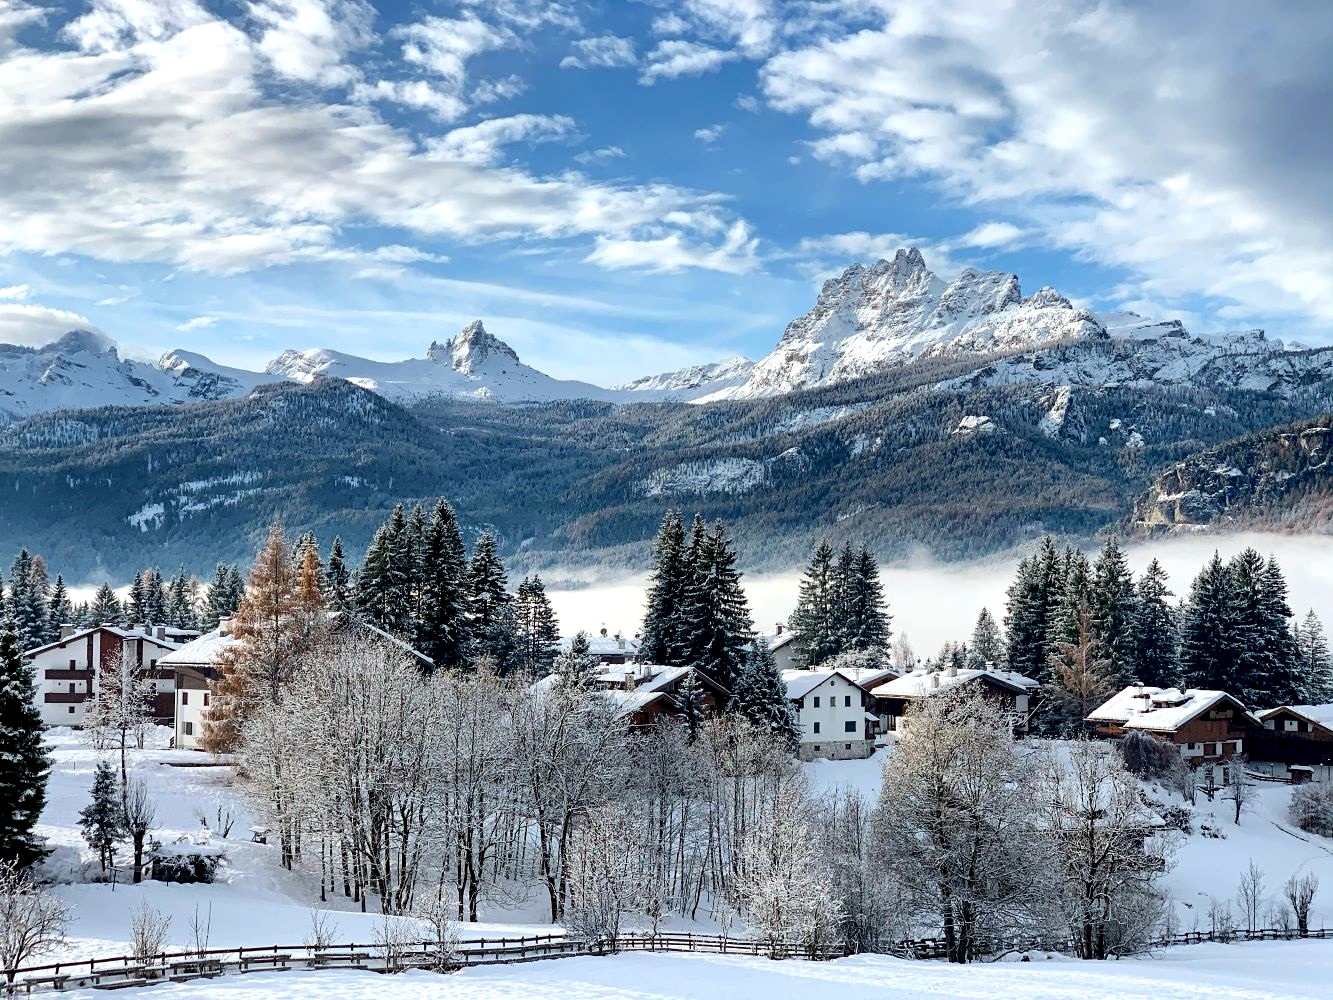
(1239, 791)
(139, 814)
(1250, 895)
(32, 920)
(148, 932)
(1300, 892)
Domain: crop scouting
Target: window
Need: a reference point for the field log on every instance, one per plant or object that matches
(185, 697)
(816, 727)
(71, 664)
(205, 699)
(847, 746)
(846, 701)
(849, 726)
(152, 664)
(71, 709)
(187, 728)
(816, 701)
(71, 687)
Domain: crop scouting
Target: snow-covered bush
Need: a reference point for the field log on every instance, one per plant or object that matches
(1147, 757)
(32, 920)
(1311, 808)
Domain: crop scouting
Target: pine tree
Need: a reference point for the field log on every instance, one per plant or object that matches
(103, 820)
(717, 618)
(26, 602)
(576, 669)
(223, 595)
(815, 622)
(1258, 671)
(537, 630)
(1082, 676)
(1073, 600)
(1034, 596)
(490, 605)
(60, 611)
(105, 607)
(444, 631)
(1155, 647)
(761, 697)
(1208, 652)
(1316, 665)
(1288, 682)
(987, 645)
(414, 556)
(691, 700)
(384, 583)
(136, 606)
(338, 578)
(662, 624)
(24, 765)
(180, 610)
(154, 598)
(1111, 606)
(865, 622)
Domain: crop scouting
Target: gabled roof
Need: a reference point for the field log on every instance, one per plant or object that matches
(606, 645)
(776, 641)
(204, 651)
(800, 683)
(118, 630)
(1318, 715)
(1160, 710)
(923, 683)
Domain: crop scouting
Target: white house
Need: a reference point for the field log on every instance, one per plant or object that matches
(832, 714)
(67, 670)
(609, 648)
(194, 669)
(782, 643)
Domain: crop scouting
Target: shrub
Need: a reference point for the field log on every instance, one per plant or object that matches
(1311, 808)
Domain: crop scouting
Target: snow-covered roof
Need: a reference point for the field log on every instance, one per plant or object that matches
(204, 651)
(800, 683)
(120, 630)
(922, 683)
(629, 702)
(1157, 709)
(778, 640)
(606, 645)
(1319, 714)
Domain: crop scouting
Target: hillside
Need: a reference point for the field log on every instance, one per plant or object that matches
(1279, 478)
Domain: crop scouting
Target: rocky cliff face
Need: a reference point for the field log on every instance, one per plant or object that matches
(1254, 478)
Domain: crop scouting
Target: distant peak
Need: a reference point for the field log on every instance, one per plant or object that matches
(82, 341)
(470, 349)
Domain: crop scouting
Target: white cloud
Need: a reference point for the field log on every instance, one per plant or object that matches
(736, 255)
(601, 155)
(678, 57)
(748, 102)
(710, 134)
(307, 40)
(994, 236)
(1180, 163)
(602, 51)
(33, 326)
(483, 143)
(197, 323)
(14, 292)
(506, 87)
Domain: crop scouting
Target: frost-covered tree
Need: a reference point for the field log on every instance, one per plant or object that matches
(955, 821)
(538, 632)
(1315, 664)
(103, 819)
(139, 814)
(122, 706)
(761, 697)
(1033, 599)
(1208, 643)
(663, 623)
(717, 618)
(385, 583)
(33, 921)
(24, 764)
(105, 606)
(863, 619)
(1081, 676)
(60, 610)
(26, 601)
(604, 878)
(491, 605)
(1112, 607)
(1073, 599)
(576, 668)
(180, 610)
(987, 644)
(223, 595)
(445, 629)
(338, 578)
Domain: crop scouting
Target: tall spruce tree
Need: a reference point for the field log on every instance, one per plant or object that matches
(444, 632)
(1316, 666)
(180, 611)
(761, 697)
(155, 598)
(865, 621)
(60, 611)
(338, 578)
(1288, 682)
(1111, 608)
(987, 645)
(576, 669)
(26, 602)
(491, 606)
(105, 606)
(135, 605)
(1261, 671)
(1208, 640)
(1073, 600)
(663, 625)
(538, 631)
(717, 618)
(1034, 597)
(223, 595)
(384, 584)
(815, 623)
(24, 765)
(103, 820)
(1155, 642)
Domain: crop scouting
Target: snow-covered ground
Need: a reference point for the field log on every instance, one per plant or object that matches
(1267, 971)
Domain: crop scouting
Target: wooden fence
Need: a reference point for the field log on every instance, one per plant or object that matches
(180, 966)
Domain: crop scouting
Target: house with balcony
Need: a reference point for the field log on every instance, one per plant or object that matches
(832, 714)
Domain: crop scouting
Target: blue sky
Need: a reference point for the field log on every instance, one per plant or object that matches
(626, 187)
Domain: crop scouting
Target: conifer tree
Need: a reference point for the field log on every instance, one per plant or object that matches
(663, 635)
(384, 584)
(155, 598)
(987, 645)
(1033, 599)
(1260, 633)
(865, 622)
(1315, 664)
(105, 606)
(761, 697)
(103, 820)
(576, 669)
(310, 580)
(223, 595)
(338, 578)
(538, 632)
(444, 632)
(1155, 648)
(24, 765)
(815, 622)
(26, 602)
(717, 619)
(180, 610)
(691, 700)
(1074, 587)
(135, 605)
(415, 557)
(1288, 682)
(490, 606)
(1111, 607)
(60, 611)
(1081, 676)
(1208, 652)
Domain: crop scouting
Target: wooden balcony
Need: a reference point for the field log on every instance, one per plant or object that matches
(64, 697)
(68, 674)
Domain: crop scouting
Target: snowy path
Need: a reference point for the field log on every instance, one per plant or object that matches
(1270, 971)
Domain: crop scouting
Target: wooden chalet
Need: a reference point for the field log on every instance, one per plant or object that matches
(1206, 726)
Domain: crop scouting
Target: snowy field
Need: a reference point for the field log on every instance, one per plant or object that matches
(1259, 971)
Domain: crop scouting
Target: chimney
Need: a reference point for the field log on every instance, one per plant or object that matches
(934, 680)
(225, 626)
(779, 631)
(67, 630)
(629, 680)
(620, 640)
(160, 631)
(603, 632)
(953, 670)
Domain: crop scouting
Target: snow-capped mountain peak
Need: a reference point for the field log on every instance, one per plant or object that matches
(469, 350)
(688, 384)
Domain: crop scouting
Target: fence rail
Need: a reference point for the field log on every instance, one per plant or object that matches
(205, 963)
